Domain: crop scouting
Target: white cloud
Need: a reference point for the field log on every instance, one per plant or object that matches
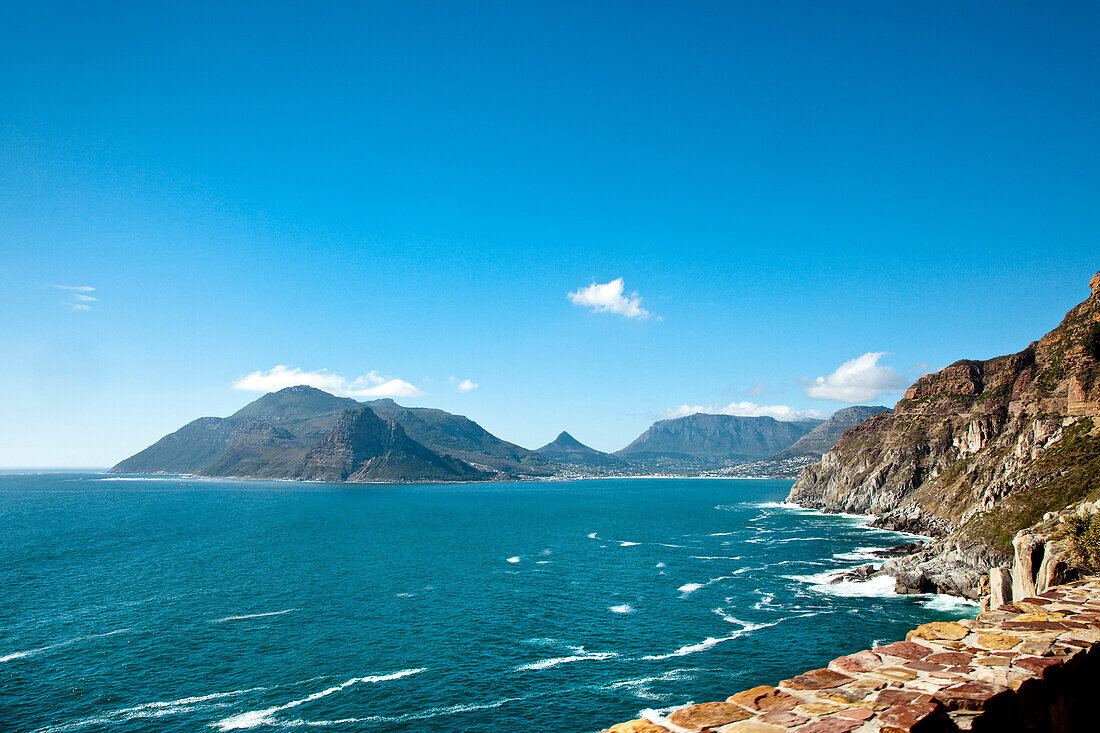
(860, 380)
(783, 413)
(608, 298)
(78, 299)
(372, 384)
(463, 385)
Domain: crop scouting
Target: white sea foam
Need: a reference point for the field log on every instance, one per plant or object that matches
(58, 645)
(710, 641)
(881, 586)
(151, 710)
(949, 604)
(542, 562)
(624, 608)
(640, 687)
(660, 565)
(683, 651)
(721, 534)
(629, 544)
(592, 535)
(659, 717)
(580, 655)
(764, 601)
(692, 587)
(717, 557)
(858, 554)
(255, 718)
(513, 560)
(254, 615)
(421, 715)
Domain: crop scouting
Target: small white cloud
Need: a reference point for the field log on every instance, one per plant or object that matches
(860, 380)
(463, 385)
(371, 384)
(78, 298)
(758, 388)
(783, 413)
(609, 298)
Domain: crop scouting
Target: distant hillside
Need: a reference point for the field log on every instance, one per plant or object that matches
(568, 450)
(271, 437)
(818, 441)
(297, 417)
(363, 447)
(706, 440)
(455, 435)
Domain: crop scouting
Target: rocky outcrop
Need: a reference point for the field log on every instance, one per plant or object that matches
(364, 448)
(974, 453)
(818, 441)
(1027, 666)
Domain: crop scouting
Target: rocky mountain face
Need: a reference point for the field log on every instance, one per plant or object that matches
(705, 440)
(220, 446)
(567, 450)
(362, 447)
(818, 441)
(458, 436)
(271, 437)
(975, 453)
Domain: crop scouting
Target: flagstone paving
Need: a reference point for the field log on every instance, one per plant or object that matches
(1029, 665)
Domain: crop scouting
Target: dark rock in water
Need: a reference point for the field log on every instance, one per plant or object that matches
(906, 548)
(857, 575)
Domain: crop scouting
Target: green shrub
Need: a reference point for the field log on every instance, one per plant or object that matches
(1083, 535)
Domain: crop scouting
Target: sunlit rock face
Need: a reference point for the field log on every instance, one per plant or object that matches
(974, 453)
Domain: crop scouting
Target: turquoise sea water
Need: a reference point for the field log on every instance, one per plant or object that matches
(162, 604)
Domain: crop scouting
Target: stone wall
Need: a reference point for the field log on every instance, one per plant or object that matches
(1032, 665)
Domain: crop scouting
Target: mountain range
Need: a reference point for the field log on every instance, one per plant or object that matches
(305, 433)
(706, 440)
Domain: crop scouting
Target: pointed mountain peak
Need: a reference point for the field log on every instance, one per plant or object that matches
(565, 440)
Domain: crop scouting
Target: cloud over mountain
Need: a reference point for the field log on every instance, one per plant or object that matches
(859, 380)
(783, 413)
(371, 384)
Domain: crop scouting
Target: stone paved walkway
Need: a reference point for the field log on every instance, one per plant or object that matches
(1030, 665)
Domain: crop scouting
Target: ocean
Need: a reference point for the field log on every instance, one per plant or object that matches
(178, 604)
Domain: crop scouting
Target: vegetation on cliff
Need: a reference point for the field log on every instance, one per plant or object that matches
(979, 450)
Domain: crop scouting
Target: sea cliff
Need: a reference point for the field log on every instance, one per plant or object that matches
(974, 454)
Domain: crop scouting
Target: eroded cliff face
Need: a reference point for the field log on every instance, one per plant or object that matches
(974, 453)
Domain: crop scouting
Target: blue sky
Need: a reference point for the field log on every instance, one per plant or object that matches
(411, 191)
